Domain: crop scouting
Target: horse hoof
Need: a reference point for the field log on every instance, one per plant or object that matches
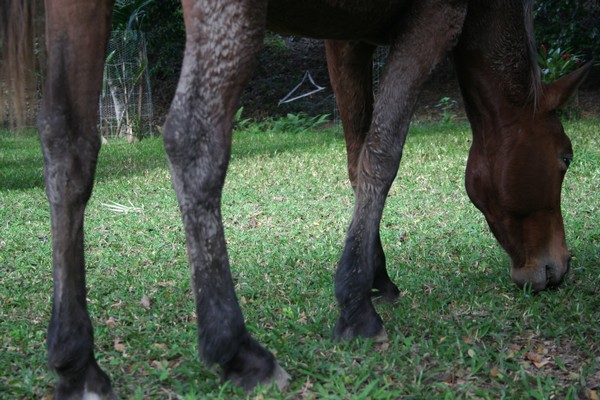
(379, 337)
(254, 365)
(280, 377)
(371, 328)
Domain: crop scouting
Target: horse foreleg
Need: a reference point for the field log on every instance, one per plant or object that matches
(351, 75)
(223, 40)
(76, 35)
(418, 45)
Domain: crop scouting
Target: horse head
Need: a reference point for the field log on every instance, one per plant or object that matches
(517, 163)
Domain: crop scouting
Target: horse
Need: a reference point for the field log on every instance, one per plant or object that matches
(517, 161)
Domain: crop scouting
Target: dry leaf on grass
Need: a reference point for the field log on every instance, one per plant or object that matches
(537, 359)
(145, 302)
(495, 372)
(120, 347)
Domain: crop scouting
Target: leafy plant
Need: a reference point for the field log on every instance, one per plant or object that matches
(241, 123)
(555, 63)
(276, 44)
(125, 69)
(163, 22)
(447, 105)
(573, 24)
(128, 15)
(291, 123)
(299, 122)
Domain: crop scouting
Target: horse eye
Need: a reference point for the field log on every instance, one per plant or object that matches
(567, 160)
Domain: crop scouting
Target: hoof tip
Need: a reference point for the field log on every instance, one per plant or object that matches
(280, 377)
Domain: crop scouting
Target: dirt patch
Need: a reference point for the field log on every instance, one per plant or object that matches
(562, 361)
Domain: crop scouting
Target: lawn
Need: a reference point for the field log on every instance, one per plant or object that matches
(460, 328)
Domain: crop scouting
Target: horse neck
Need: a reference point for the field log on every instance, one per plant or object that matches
(496, 63)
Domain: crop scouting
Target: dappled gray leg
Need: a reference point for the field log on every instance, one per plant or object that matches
(197, 136)
(419, 44)
(70, 143)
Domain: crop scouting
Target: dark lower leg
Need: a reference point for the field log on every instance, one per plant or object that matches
(222, 335)
(69, 177)
(383, 287)
(350, 71)
(70, 335)
(76, 38)
(359, 270)
(353, 291)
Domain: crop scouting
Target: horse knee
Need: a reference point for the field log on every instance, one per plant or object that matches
(198, 155)
(70, 159)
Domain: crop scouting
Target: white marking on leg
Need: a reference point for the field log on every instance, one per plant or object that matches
(91, 396)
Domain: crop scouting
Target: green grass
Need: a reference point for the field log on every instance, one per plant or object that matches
(460, 329)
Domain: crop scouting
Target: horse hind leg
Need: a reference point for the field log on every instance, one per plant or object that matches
(76, 35)
(223, 41)
(351, 75)
(419, 44)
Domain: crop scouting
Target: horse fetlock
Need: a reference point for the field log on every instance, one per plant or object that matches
(254, 365)
(385, 290)
(70, 357)
(383, 287)
(90, 383)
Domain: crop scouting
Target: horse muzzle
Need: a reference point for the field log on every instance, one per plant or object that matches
(542, 274)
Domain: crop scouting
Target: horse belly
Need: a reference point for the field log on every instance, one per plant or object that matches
(369, 20)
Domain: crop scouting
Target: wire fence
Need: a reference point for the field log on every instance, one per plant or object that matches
(126, 99)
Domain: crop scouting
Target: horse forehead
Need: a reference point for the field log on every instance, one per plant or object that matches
(535, 129)
(506, 150)
(545, 132)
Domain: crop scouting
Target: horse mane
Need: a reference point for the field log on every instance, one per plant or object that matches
(19, 23)
(535, 77)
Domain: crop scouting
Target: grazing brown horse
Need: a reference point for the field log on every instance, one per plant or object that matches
(514, 174)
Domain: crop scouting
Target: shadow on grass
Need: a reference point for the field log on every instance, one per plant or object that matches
(271, 143)
(21, 162)
(22, 168)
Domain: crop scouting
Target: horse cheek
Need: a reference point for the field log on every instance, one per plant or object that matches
(477, 181)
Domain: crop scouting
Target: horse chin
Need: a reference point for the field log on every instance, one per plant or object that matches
(540, 275)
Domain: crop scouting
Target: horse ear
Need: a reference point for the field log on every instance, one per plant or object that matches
(556, 94)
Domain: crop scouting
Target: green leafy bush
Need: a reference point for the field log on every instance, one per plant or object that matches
(569, 24)
(555, 63)
(290, 124)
